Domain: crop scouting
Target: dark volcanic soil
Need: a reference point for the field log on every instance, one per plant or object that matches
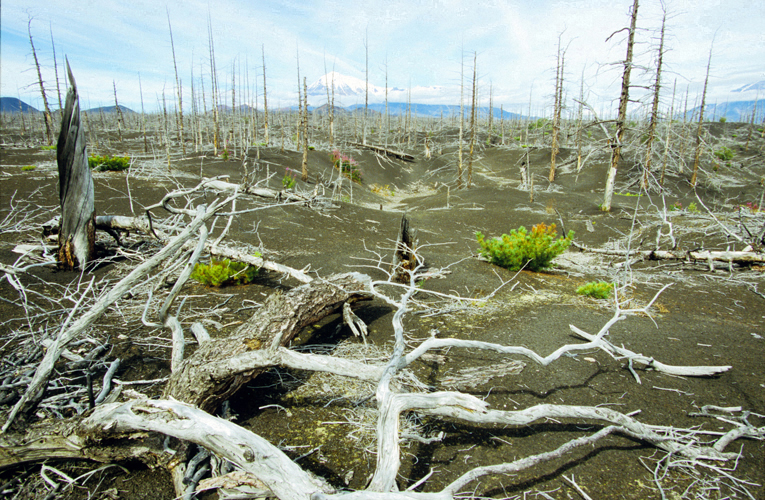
(706, 317)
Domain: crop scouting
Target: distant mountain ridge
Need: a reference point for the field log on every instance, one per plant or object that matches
(14, 105)
(735, 111)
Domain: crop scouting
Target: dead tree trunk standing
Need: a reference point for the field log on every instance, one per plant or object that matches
(621, 119)
(654, 109)
(48, 119)
(118, 110)
(697, 155)
(179, 89)
(556, 112)
(77, 230)
(265, 96)
(304, 173)
(472, 127)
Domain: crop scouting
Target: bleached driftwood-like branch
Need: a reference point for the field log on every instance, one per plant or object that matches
(72, 331)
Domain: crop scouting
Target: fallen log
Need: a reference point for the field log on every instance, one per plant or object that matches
(737, 257)
(77, 232)
(387, 152)
(217, 369)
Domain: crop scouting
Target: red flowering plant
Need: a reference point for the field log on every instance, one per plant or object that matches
(347, 165)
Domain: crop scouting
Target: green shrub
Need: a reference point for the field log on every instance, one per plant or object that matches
(596, 289)
(27, 168)
(288, 181)
(519, 249)
(347, 165)
(723, 119)
(224, 272)
(724, 153)
(106, 163)
(52, 147)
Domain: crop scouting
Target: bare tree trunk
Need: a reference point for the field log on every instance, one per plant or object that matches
(265, 98)
(667, 137)
(472, 126)
(697, 155)
(179, 89)
(77, 230)
(621, 119)
(654, 109)
(55, 68)
(556, 112)
(304, 172)
(214, 84)
(120, 118)
(46, 113)
(462, 121)
(143, 118)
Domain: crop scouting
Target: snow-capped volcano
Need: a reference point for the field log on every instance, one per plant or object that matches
(345, 86)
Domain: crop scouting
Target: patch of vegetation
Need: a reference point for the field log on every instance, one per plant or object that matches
(596, 289)
(724, 153)
(27, 168)
(692, 208)
(289, 179)
(751, 206)
(723, 119)
(224, 272)
(347, 165)
(107, 163)
(52, 147)
(521, 249)
(224, 155)
(385, 190)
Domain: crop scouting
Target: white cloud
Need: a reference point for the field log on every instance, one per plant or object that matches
(423, 43)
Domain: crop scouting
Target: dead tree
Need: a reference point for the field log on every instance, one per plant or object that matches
(77, 232)
(404, 258)
(622, 118)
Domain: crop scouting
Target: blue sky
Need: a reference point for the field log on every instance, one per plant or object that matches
(422, 42)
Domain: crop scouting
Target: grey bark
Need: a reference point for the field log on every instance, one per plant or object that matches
(77, 232)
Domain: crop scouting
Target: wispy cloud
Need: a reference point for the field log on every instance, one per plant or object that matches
(421, 44)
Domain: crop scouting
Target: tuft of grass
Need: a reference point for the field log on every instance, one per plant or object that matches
(289, 179)
(533, 250)
(596, 289)
(28, 168)
(107, 163)
(52, 147)
(224, 272)
(724, 153)
(385, 190)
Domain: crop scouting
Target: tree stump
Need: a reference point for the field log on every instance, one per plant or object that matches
(77, 230)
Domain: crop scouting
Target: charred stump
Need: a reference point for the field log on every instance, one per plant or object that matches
(404, 258)
(77, 230)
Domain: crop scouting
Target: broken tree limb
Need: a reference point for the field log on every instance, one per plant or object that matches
(685, 371)
(247, 450)
(387, 152)
(42, 374)
(739, 257)
(77, 232)
(205, 379)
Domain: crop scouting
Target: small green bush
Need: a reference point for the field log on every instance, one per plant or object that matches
(596, 289)
(519, 249)
(724, 153)
(723, 119)
(107, 163)
(27, 168)
(52, 147)
(224, 272)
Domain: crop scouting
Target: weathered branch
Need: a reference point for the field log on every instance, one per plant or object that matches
(208, 376)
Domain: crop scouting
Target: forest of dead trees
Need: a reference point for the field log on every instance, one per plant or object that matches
(645, 146)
